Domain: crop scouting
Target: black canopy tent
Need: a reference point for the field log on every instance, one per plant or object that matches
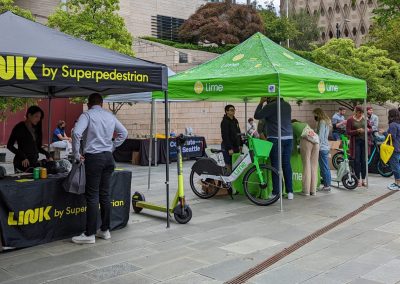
(39, 62)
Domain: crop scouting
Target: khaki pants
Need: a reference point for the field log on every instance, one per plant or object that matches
(309, 157)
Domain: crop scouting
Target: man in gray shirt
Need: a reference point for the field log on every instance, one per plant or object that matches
(96, 128)
(373, 119)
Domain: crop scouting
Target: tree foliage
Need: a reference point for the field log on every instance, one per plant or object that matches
(221, 23)
(387, 11)
(387, 37)
(369, 63)
(95, 21)
(307, 30)
(10, 104)
(276, 28)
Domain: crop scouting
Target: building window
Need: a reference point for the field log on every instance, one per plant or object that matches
(165, 27)
(323, 36)
(330, 34)
(354, 31)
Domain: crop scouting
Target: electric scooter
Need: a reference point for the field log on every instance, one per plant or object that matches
(182, 211)
(345, 175)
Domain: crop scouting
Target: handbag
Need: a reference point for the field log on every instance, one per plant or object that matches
(76, 179)
(310, 135)
(387, 149)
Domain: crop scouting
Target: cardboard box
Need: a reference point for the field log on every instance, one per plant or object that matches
(334, 145)
(135, 158)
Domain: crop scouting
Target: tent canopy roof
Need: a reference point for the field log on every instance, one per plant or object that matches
(259, 67)
(99, 69)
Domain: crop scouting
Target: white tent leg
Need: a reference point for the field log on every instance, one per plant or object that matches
(155, 139)
(151, 141)
(245, 115)
(366, 141)
(280, 151)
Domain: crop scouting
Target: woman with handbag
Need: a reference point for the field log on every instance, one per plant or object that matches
(323, 126)
(355, 129)
(394, 131)
(309, 149)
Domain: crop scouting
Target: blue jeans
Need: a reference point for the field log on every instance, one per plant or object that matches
(324, 167)
(395, 165)
(287, 145)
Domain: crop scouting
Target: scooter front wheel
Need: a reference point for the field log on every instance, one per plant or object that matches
(137, 196)
(350, 181)
(182, 217)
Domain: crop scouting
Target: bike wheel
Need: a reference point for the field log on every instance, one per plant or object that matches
(257, 193)
(203, 187)
(384, 169)
(350, 181)
(337, 159)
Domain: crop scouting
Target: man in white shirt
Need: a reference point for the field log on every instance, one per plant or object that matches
(96, 128)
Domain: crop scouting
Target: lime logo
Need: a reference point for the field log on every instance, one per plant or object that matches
(326, 87)
(258, 65)
(238, 57)
(321, 87)
(198, 87)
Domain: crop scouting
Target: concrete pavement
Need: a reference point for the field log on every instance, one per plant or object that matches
(225, 238)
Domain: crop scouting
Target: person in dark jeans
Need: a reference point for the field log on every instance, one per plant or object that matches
(269, 112)
(231, 142)
(96, 127)
(355, 129)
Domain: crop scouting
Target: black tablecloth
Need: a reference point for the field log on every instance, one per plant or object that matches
(37, 212)
(194, 147)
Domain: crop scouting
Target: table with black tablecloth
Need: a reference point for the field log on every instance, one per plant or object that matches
(37, 212)
(194, 147)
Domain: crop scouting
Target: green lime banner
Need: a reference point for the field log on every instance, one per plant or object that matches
(259, 67)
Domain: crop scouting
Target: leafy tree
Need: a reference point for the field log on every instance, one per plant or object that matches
(308, 30)
(8, 5)
(9, 104)
(369, 63)
(387, 11)
(387, 37)
(96, 21)
(276, 28)
(221, 23)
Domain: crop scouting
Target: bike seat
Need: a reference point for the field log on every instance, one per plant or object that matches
(215, 151)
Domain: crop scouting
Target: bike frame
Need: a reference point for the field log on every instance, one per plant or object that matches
(247, 161)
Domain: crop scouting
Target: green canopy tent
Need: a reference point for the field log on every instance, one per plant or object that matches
(257, 68)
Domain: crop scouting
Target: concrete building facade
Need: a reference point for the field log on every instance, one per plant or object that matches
(351, 19)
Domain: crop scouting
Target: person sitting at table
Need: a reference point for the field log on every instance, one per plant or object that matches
(60, 139)
(28, 136)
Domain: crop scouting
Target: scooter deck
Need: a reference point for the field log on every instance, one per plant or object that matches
(152, 206)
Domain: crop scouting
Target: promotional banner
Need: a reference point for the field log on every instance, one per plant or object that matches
(37, 212)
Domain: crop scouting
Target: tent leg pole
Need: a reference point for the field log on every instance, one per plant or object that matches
(150, 142)
(155, 139)
(167, 154)
(280, 151)
(366, 141)
(49, 123)
(245, 114)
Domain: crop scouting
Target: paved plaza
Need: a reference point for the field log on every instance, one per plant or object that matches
(225, 238)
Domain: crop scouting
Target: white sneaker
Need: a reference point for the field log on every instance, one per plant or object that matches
(394, 186)
(103, 234)
(290, 196)
(83, 239)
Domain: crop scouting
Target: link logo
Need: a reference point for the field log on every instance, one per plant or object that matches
(30, 216)
(325, 87)
(15, 66)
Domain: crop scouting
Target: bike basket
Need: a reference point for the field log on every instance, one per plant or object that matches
(261, 147)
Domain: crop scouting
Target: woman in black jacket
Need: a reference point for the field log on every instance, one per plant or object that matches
(28, 136)
(230, 129)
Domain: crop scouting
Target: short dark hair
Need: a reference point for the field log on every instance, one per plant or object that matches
(359, 109)
(342, 108)
(60, 122)
(227, 107)
(95, 99)
(250, 119)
